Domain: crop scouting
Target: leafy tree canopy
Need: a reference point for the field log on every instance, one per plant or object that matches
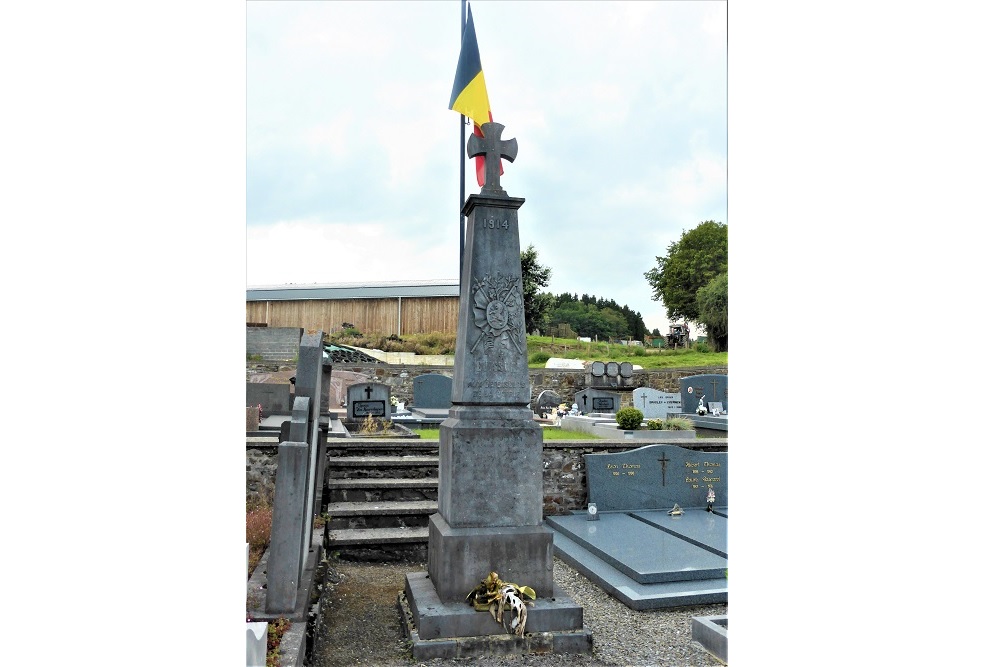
(713, 309)
(535, 276)
(691, 263)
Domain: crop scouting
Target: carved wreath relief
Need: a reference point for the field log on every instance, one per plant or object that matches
(497, 310)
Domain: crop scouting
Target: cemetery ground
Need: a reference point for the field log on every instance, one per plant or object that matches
(360, 624)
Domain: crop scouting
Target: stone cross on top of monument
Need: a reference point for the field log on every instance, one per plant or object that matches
(491, 146)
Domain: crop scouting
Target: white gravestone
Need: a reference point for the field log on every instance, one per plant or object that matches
(656, 404)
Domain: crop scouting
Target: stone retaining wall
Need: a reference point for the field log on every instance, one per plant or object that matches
(564, 480)
(563, 382)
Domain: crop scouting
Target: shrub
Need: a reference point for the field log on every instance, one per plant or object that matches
(679, 424)
(629, 418)
(655, 424)
(539, 357)
(275, 631)
(258, 533)
(370, 425)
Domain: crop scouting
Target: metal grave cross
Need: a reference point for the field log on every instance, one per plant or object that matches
(491, 146)
(368, 392)
(715, 389)
(663, 468)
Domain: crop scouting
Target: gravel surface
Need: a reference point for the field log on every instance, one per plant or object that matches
(361, 625)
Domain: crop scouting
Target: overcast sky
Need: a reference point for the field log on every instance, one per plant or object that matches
(353, 156)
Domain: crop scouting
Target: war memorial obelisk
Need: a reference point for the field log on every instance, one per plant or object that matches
(489, 515)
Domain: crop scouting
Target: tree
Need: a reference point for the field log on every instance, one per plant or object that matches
(713, 309)
(691, 263)
(534, 276)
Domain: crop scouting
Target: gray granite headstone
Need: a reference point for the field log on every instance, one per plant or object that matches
(656, 404)
(367, 398)
(594, 400)
(656, 477)
(432, 390)
(713, 387)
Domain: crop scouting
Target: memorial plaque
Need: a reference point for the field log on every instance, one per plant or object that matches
(362, 409)
(597, 369)
(612, 369)
(656, 477)
(600, 404)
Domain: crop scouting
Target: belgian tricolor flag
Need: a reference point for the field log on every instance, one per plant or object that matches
(468, 95)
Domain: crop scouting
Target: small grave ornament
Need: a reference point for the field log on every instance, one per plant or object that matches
(711, 499)
(701, 410)
(675, 510)
(592, 514)
(496, 596)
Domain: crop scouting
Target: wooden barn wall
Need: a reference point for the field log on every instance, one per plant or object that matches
(370, 316)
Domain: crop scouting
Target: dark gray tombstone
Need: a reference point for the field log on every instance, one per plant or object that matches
(289, 521)
(309, 381)
(656, 404)
(274, 398)
(713, 387)
(594, 400)
(367, 398)
(546, 401)
(656, 477)
(432, 391)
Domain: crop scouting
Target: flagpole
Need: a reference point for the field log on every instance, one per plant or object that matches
(461, 178)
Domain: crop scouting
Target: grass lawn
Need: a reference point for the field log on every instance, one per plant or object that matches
(548, 433)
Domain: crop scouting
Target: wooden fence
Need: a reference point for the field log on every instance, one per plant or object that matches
(398, 315)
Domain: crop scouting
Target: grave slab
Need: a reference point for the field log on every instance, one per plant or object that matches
(630, 592)
(647, 554)
(707, 530)
(712, 632)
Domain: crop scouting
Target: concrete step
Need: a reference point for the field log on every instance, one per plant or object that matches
(384, 483)
(390, 508)
(380, 490)
(377, 536)
(380, 514)
(368, 462)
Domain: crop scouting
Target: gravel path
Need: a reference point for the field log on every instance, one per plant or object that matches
(361, 625)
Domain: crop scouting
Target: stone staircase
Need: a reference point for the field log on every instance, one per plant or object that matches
(381, 494)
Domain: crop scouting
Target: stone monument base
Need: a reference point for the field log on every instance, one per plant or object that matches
(458, 559)
(450, 630)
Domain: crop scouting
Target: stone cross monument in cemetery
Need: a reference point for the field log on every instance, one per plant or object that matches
(489, 515)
